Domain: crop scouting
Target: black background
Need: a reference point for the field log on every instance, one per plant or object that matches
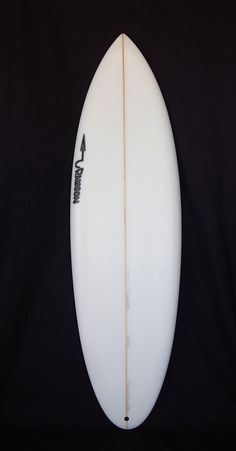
(49, 53)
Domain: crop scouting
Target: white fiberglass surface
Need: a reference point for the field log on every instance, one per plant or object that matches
(126, 235)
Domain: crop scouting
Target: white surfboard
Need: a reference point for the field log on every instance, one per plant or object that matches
(125, 235)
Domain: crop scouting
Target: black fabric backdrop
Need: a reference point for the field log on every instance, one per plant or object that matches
(49, 53)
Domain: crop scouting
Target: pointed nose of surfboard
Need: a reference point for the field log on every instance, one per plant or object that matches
(128, 43)
(124, 36)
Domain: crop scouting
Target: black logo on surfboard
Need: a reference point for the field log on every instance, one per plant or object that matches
(78, 172)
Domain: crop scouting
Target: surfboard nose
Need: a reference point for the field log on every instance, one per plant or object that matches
(123, 35)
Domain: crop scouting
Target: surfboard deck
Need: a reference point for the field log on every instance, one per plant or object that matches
(125, 235)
